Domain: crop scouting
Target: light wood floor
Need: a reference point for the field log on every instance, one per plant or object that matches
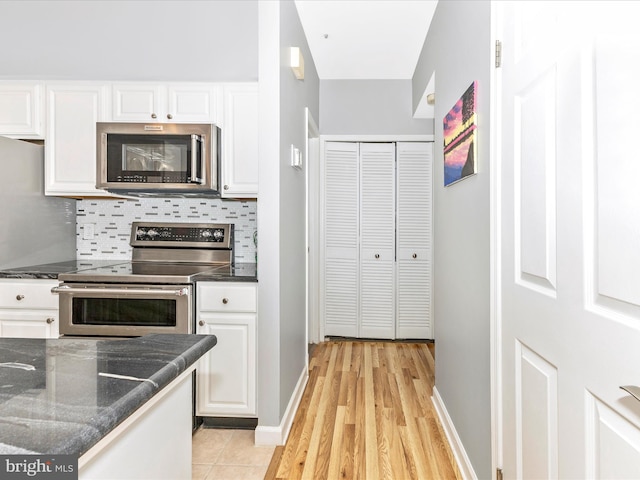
(366, 413)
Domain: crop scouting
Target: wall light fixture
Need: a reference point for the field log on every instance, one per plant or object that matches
(297, 63)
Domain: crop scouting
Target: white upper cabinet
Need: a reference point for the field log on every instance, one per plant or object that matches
(240, 141)
(65, 115)
(173, 103)
(70, 147)
(22, 110)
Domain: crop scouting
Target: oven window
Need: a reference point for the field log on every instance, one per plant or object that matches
(124, 311)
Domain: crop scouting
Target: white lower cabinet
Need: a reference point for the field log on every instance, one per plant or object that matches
(226, 375)
(28, 309)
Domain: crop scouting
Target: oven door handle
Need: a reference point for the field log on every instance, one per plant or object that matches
(179, 292)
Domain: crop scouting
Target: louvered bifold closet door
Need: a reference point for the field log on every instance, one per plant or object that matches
(341, 239)
(377, 240)
(414, 239)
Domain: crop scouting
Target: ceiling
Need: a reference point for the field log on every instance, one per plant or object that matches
(365, 39)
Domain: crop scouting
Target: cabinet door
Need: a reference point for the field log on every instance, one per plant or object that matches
(28, 324)
(226, 378)
(138, 102)
(340, 197)
(28, 294)
(240, 142)
(21, 110)
(193, 103)
(414, 239)
(70, 149)
(377, 240)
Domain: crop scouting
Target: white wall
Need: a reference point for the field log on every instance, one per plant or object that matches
(458, 50)
(214, 40)
(369, 107)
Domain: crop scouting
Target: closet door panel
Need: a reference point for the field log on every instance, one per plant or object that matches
(341, 239)
(377, 240)
(414, 240)
(377, 299)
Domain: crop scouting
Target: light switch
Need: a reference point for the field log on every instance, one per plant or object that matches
(296, 157)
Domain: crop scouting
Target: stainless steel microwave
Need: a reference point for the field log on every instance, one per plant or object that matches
(158, 157)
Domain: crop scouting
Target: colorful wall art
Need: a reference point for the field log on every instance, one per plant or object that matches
(459, 128)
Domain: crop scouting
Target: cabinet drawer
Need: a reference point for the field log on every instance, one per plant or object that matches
(28, 294)
(226, 297)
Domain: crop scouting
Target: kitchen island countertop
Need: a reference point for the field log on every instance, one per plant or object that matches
(62, 396)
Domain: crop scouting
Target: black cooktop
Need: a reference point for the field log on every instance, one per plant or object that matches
(146, 272)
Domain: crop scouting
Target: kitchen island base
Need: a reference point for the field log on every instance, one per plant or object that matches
(153, 443)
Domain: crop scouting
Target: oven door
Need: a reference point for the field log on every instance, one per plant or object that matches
(124, 310)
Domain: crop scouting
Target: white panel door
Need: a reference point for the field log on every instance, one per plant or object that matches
(413, 244)
(340, 199)
(568, 239)
(377, 240)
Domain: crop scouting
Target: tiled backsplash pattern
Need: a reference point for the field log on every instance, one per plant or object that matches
(112, 222)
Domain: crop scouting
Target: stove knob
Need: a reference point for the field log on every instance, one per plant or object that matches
(152, 233)
(217, 234)
(207, 233)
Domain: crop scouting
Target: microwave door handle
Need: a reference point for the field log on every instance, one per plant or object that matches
(179, 292)
(194, 159)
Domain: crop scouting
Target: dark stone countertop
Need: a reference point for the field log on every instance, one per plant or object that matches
(240, 272)
(52, 270)
(55, 398)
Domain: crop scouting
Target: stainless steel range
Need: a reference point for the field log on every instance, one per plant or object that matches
(154, 292)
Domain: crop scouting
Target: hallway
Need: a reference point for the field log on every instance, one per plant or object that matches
(367, 413)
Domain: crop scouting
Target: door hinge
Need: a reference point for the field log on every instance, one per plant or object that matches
(498, 53)
(498, 474)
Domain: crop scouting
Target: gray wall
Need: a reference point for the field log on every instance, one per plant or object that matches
(34, 229)
(369, 107)
(281, 209)
(295, 95)
(130, 40)
(461, 226)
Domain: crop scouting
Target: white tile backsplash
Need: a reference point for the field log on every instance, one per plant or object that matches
(112, 221)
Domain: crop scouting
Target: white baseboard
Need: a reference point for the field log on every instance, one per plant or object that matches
(464, 464)
(278, 435)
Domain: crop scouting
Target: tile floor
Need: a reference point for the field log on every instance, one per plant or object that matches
(228, 454)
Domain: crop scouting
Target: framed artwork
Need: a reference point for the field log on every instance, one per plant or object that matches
(459, 128)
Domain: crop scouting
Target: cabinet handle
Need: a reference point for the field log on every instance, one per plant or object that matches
(377, 255)
(169, 116)
(201, 323)
(415, 255)
(19, 297)
(226, 187)
(225, 300)
(50, 320)
(153, 115)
